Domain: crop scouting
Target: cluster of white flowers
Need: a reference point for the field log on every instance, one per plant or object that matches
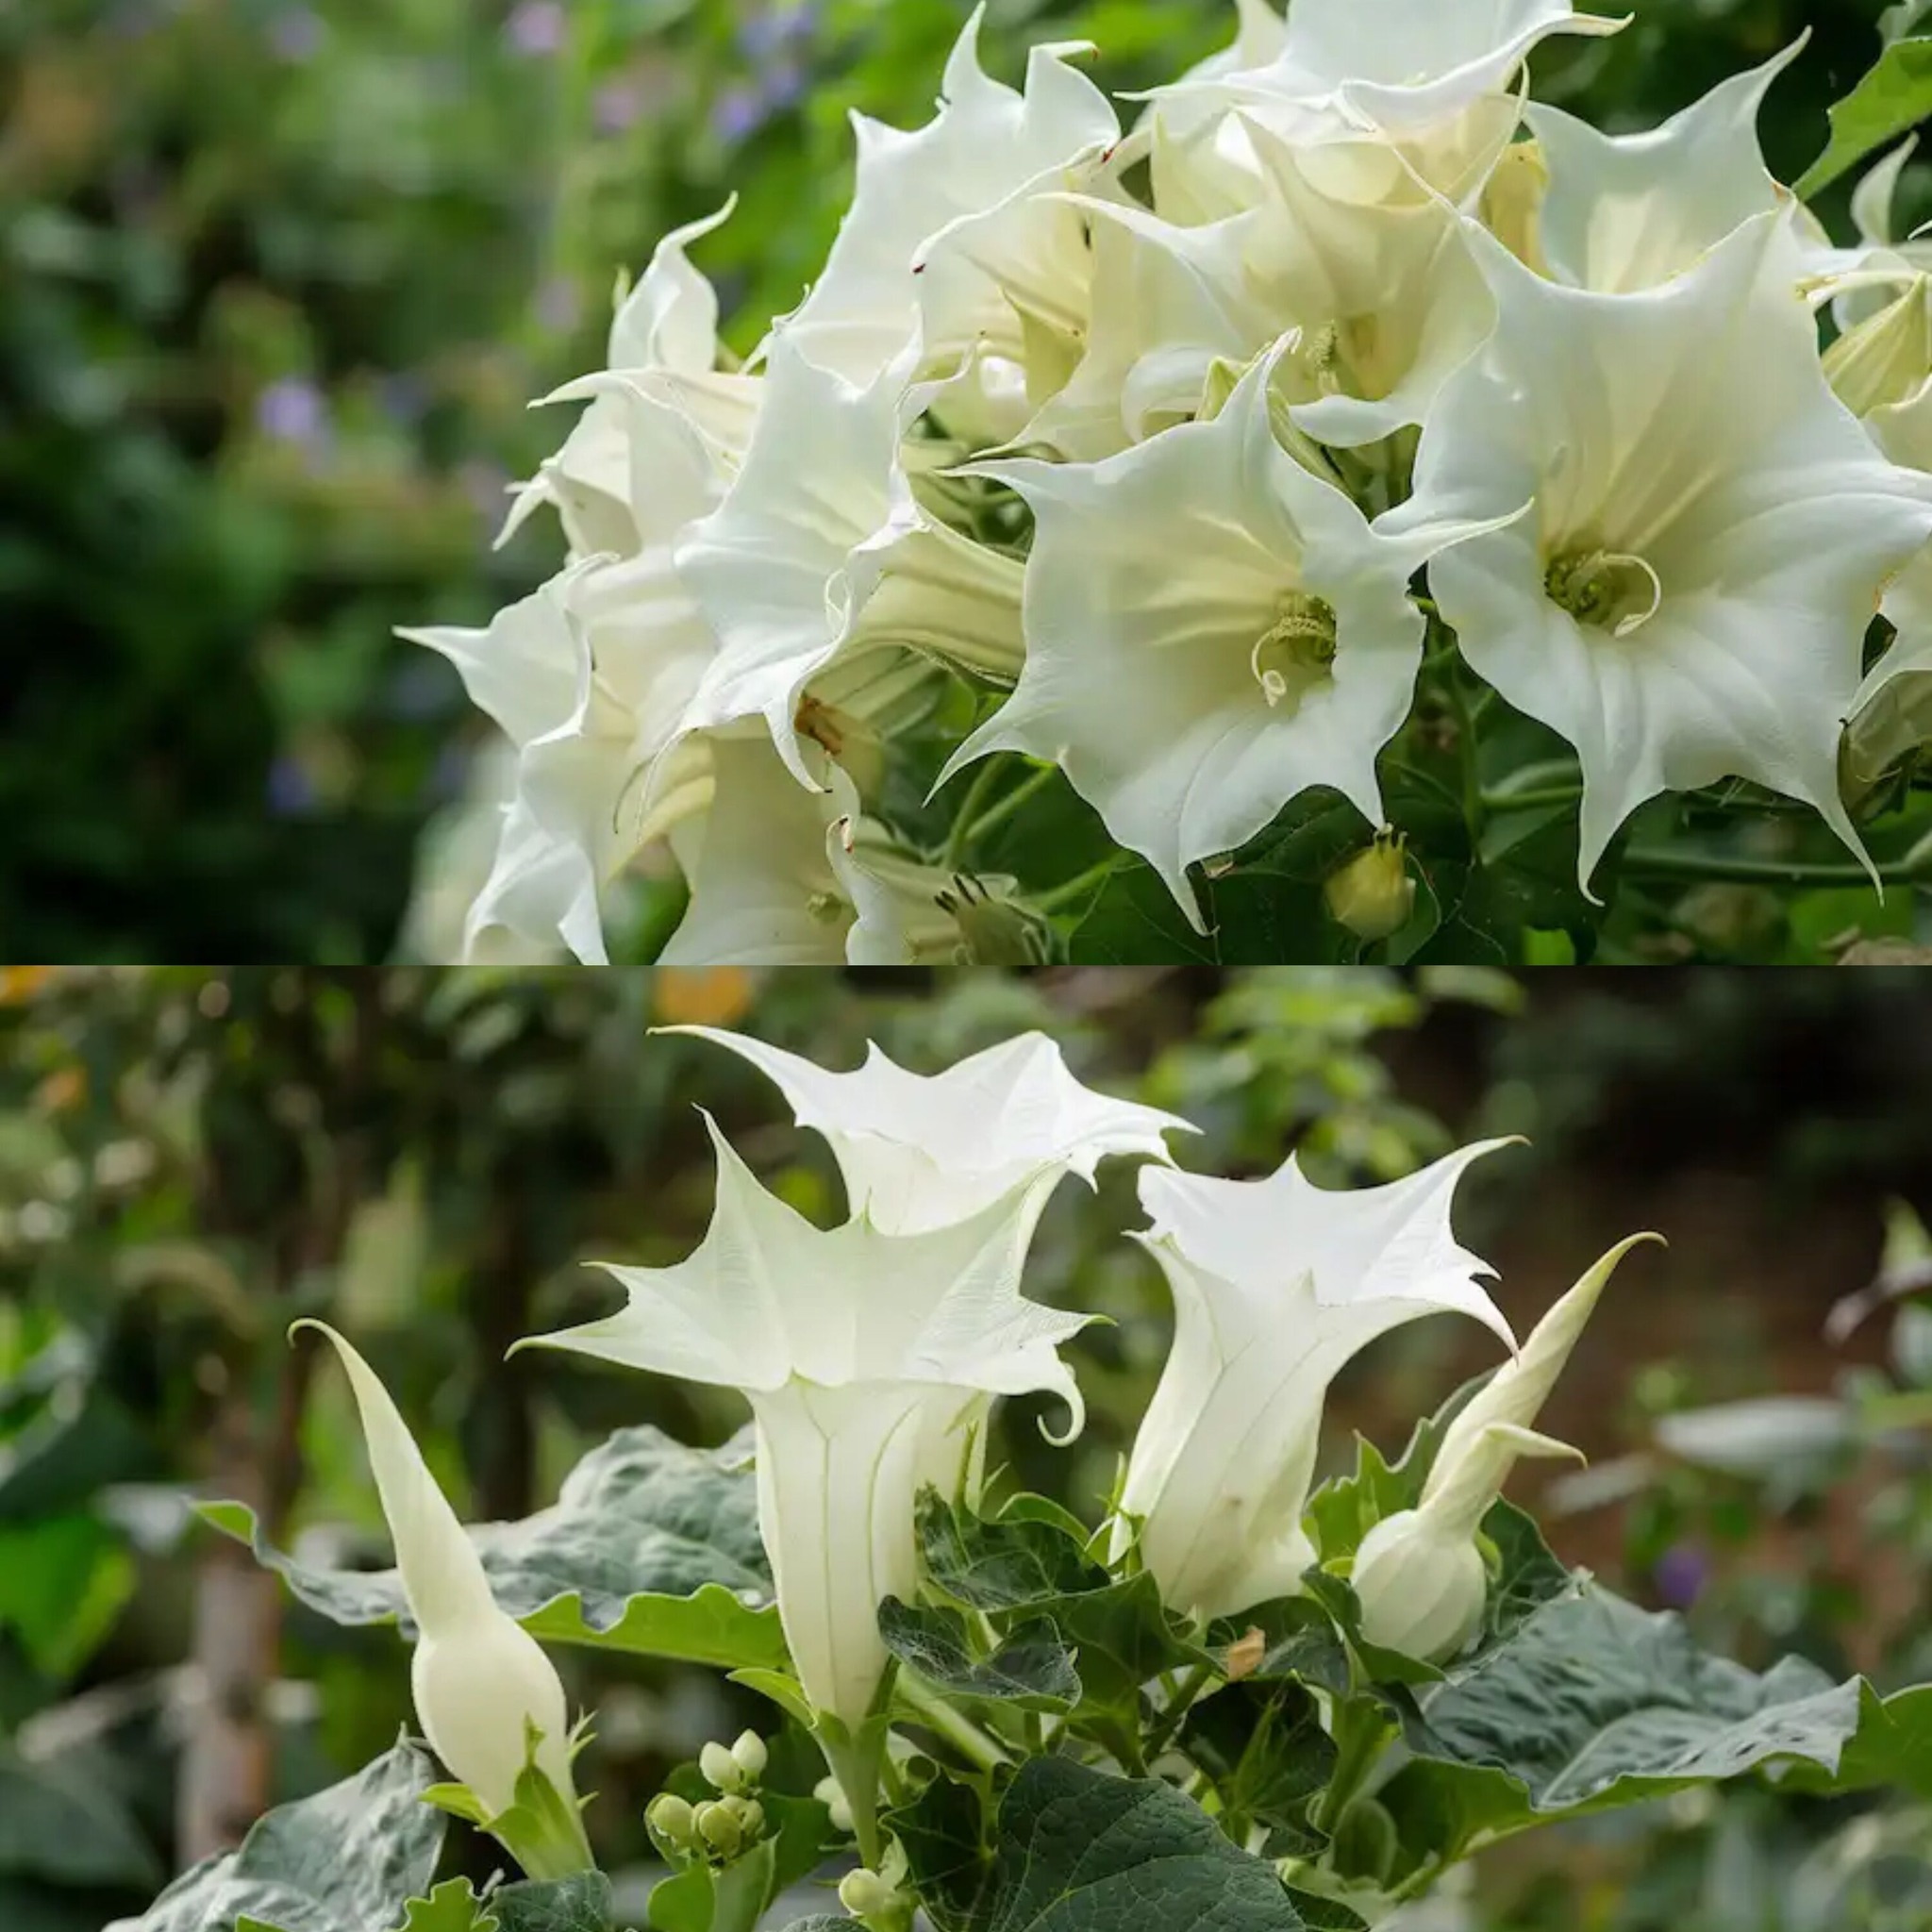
(1151, 428)
(871, 1355)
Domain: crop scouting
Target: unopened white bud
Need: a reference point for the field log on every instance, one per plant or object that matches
(671, 1818)
(865, 1894)
(751, 1755)
(720, 1769)
(831, 1794)
(1423, 1587)
(720, 1829)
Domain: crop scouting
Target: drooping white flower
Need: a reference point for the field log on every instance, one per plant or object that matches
(782, 877)
(866, 1359)
(1419, 1575)
(819, 551)
(985, 162)
(1880, 247)
(1276, 1285)
(1626, 213)
(480, 1681)
(1712, 535)
(920, 1151)
(664, 344)
(1211, 630)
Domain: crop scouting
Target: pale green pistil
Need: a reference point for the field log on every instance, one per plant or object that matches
(1607, 590)
(1298, 652)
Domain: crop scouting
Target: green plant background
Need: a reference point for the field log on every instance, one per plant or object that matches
(275, 284)
(187, 1161)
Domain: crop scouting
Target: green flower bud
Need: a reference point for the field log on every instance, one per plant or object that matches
(831, 1794)
(1373, 895)
(865, 1894)
(751, 1755)
(721, 1770)
(749, 1813)
(720, 1829)
(671, 1818)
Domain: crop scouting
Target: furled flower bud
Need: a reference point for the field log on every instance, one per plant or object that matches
(721, 1768)
(751, 1755)
(1373, 895)
(719, 1827)
(1426, 1583)
(749, 1813)
(865, 1894)
(671, 1818)
(831, 1794)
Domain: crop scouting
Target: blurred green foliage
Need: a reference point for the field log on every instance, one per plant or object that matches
(276, 283)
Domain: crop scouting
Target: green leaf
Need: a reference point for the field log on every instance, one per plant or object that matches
(453, 1906)
(55, 1827)
(684, 1902)
(1079, 1851)
(1030, 1668)
(1298, 1642)
(1265, 1747)
(1591, 1703)
(1016, 1562)
(652, 1548)
(1892, 100)
(942, 1833)
(64, 1581)
(1326, 1914)
(348, 1859)
(582, 1903)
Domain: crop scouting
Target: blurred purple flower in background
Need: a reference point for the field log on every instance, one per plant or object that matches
(535, 27)
(1681, 1575)
(403, 397)
(777, 27)
(290, 791)
(296, 34)
(617, 105)
(740, 112)
(293, 411)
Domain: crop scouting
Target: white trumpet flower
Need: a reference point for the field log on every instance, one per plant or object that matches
(1276, 1285)
(1713, 530)
(1211, 630)
(868, 1359)
(481, 1683)
(818, 552)
(1626, 213)
(907, 265)
(1419, 1575)
(920, 1152)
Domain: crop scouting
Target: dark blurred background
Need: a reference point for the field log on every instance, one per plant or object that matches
(276, 282)
(188, 1159)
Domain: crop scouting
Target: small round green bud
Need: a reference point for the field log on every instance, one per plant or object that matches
(720, 1769)
(751, 1755)
(720, 1829)
(671, 1817)
(865, 1894)
(1373, 895)
(749, 1813)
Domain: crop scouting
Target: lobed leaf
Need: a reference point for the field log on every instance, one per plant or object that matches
(1031, 1667)
(1890, 101)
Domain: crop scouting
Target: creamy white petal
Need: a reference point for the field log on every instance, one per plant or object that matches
(919, 1151)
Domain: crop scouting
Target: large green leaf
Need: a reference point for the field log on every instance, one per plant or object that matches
(1012, 1563)
(348, 1859)
(451, 1907)
(942, 1833)
(1080, 1851)
(55, 1827)
(580, 1903)
(1593, 1704)
(1265, 1747)
(651, 1547)
(1029, 1667)
(1890, 101)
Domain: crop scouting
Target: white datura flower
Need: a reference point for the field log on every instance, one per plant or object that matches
(782, 877)
(920, 1152)
(1881, 249)
(481, 1683)
(868, 1360)
(1385, 299)
(1419, 1575)
(948, 239)
(1276, 1285)
(1211, 630)
(663, 343)
(1627, 212)
(1712, 533)
(818, 552)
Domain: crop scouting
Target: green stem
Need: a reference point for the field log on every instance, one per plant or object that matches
(936, 1714)
(1466, 753)
(1186, 1692)
(1524, 800)
(1073, 891)
(990, 821)
(965, 828)
(1361, 1730)
(1655, 862)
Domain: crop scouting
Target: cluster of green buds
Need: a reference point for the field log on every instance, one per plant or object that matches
(717, 1829)
(880, 1901)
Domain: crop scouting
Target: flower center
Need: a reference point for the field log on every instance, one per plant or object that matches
(1609, 589)
(827, 909)
(1342, 359)
(1298, 652)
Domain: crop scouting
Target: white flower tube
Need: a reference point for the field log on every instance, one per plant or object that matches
(481, 1682)
(1420, 1573)
(921, 1152)
(866, 1359)
(1276, 1284)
